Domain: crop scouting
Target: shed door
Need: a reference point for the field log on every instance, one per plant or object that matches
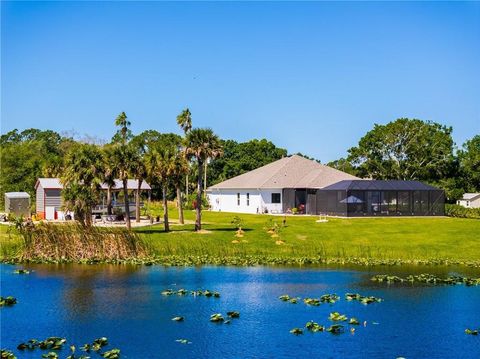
(50, 213)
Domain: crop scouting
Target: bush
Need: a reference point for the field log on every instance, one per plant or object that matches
(454, 210)
(191, 201)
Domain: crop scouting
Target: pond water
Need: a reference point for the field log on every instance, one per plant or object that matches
(124, 303)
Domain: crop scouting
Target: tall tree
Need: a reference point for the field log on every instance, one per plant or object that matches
(178, 169)
(184, 120)
(200, 145)
(125, 157)
(159, 161)
(82, 178)
(123, 134)
(110, 173)
(405, 149)
(469, 158)
(239, 158)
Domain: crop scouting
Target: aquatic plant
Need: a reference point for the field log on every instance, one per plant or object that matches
(50, 355)
(178, 319)
(216, 318)
(233, 314)
(353, 321)
(337, 317)
(427, 279)
(312, 301)
(284, 297)
(21, 271)
(73, 242)
(7, 354)
(7, 301)
(472, 331)
(296, 331)
(183, 341)
(112, 354)
(329, 298)
(314, 327)
(362, 299)
(335, 329)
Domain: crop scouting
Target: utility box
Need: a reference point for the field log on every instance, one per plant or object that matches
(17, 203)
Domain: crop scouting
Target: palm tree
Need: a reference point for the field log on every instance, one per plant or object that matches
(125, 158)
(200, 145)
(82, 178)
(109, 175)
(177, 171)
(124, 133)
(184, 120)
(139, 171)
(158, 162)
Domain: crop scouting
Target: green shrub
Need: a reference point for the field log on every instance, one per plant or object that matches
(191, 201)
(454, 210)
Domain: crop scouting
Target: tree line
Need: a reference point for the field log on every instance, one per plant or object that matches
(179, 166)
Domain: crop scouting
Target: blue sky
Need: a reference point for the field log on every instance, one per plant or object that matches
(311, 77)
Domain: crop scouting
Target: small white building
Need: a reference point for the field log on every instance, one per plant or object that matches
(278, 187)
(470, 200)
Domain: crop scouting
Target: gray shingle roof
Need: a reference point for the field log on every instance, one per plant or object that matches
(54, 183)
(289, 172)
(381, 185)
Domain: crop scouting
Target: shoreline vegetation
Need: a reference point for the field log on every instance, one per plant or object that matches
(261, 240)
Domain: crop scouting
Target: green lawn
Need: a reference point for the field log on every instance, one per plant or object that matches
(379, 238)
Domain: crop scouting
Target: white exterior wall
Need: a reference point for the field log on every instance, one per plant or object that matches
(469, 203)
(224, 200)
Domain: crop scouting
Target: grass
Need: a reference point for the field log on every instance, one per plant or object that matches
(302, 240)
(407, 239)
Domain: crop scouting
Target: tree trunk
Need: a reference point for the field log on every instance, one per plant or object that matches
(109, 201)
(137, 201)
(180, 205)
(127, 205)
(186, 185)
(198, 220)
(165, 208)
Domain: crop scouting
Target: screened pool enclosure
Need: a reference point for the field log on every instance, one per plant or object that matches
(357, 198)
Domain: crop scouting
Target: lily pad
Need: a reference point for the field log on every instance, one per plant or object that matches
(7, 301)
(233, 314)
(335, 329)
(354, 321)
(216, 318)
(472, 331)
(112, 354)
(21, 271)
(314, 327)
(178, 319)
(296, 331)
(183, 341)
(337, 317)
(7, 354)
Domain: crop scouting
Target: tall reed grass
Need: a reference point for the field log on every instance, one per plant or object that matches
(76, 243)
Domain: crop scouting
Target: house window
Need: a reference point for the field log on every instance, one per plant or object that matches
(238, 199)
(276, 198)
(248, 199)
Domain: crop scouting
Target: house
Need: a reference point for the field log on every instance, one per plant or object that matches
(470, 200)
(360, 198)
(49, 199)
(278, 187)
(17, 203)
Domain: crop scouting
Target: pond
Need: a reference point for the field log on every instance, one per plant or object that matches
(125, 304)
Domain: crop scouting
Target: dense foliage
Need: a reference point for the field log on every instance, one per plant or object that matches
(454, 210)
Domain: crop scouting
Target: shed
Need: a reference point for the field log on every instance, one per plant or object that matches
(17, 203)
(48, 197)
